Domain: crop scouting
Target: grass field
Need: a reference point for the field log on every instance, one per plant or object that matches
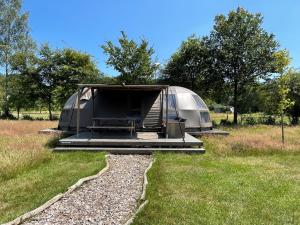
(217, 117)
(245, 178)
(42, 115)
(30, 174)
(248, 177)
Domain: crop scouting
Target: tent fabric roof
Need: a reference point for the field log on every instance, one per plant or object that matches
(125, 87)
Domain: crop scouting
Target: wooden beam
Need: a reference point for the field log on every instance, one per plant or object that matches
(167, 111)
(161, 108)
(93, 97)
(78, 111)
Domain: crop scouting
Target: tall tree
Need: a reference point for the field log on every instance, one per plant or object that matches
(73, 67)
(23, 91)
(51, 76)
(132, 60)
(294, 95)
(19, 94)
(58, 73)
(189, 67)
(242, 51)
(284, 101)
(186, 64)
(13, 36)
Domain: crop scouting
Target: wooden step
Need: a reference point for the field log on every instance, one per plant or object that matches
(132, 150)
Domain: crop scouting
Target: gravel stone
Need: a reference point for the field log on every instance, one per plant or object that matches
(109, 199)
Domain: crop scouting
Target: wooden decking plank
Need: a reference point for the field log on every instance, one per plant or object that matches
(132, 150)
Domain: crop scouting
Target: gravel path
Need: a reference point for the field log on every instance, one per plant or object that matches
(108, 199)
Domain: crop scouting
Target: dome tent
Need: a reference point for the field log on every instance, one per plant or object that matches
(186, 104)
(182, 103)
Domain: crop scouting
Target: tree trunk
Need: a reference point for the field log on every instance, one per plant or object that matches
(294, 120)
(5, 105)
(18, 111)
(235, 120)
(49, 109)
(282, 129)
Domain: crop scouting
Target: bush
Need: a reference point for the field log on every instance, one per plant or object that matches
(268, 120)
(294, 120)
(27, 117)
(8, 117)
(250, 120)
(39, 118)
(55, 117)
(214, 123)
(225, 122)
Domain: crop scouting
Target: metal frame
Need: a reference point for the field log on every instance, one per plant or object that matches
(78, 110)
(163, 88)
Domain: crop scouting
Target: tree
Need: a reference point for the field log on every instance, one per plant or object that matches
(73, 67)
(242, 52)
(22, 92)
(186, 64)
(2, 82)
(19, 94)
(294, 95)
(51, 76)
(58, 73)
(284, 101)
(13, 37)
(189, 67)
(132, 60)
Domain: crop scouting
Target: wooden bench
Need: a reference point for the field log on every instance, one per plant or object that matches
(112, 124)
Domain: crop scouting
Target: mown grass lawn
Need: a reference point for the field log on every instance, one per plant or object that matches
(246, 178)
(30, 174)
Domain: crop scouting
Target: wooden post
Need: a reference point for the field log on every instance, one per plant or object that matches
(282, 128)
(93, 97)
(162, 108)
(78, 111)
(167, 111)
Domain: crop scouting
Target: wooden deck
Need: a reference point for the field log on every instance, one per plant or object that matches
(125, 150)
(209, 133)
(119, 141)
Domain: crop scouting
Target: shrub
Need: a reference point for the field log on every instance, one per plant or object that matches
(214, 123)
(268, 120)
(27, 117)
(39, 118)
(250, 120)
(225, 122)
(8, 117)
(55, 117)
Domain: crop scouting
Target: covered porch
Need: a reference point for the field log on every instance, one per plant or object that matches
(128, 118)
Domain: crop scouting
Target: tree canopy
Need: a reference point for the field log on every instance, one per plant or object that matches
(132, 60)
(14, 37)
(54, 74)
(237, 53)
(243, 51)
(188, 64)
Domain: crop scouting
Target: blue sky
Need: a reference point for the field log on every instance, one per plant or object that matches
(85, 25)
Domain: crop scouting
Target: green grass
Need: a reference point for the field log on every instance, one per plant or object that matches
(227, 186)
(217, 117)
(30, 174)
(36, 114)
(32, 187)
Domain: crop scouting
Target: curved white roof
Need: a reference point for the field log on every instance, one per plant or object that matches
(182, 103)
(184, 99)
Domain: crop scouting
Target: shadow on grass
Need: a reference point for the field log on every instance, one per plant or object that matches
(54, 140)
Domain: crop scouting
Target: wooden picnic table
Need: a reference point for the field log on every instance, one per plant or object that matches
(111, 123)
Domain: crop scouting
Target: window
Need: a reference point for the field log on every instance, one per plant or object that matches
(204, 117)
(186, 102)
(199, 102)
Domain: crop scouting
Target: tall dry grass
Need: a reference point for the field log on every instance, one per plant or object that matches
(21, 146)
(261, 139)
